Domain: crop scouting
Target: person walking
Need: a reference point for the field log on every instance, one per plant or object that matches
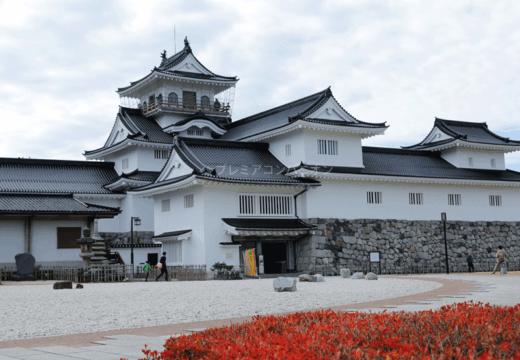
(164, 270)
(469, 259)
(501, 257)
(147, 268)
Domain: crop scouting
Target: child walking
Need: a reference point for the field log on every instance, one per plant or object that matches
(147, 268)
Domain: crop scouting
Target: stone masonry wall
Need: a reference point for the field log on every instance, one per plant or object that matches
(337, 241)
(140, 237)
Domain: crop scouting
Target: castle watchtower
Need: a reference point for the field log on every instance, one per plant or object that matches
(179, 87)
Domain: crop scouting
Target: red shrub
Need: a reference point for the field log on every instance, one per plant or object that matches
(461, 331)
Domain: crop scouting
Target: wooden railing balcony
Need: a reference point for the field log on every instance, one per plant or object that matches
(219, 109)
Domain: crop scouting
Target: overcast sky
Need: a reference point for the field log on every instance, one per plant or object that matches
(403, 62)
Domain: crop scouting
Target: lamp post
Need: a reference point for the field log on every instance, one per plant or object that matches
(443, 218)
(137, 222)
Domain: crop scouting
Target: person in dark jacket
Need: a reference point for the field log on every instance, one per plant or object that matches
(469, 259)
(164, 270)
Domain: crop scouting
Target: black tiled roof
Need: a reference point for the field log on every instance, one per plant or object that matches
(55, 176)
(141, 128)
(410, 163)
(232, 160)
(177, 59)
(218, 121)
(172, 233)
(284, 115)
(467, 131)
(141, 175)
(50, 203)
(285, 224)
(162, 183)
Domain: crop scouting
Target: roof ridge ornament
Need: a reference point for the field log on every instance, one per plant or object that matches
(163, 56)
(187, 45)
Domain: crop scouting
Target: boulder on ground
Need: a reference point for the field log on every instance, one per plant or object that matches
(306, 278)
(358, 276)
(62, 285)
(285, 284)
(371, 276)
(79, 286)
(319, 278)
(345, 273)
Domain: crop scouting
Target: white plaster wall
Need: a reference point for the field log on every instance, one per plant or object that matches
(136, 207)
(207, 132)
(219, 203)
(481, 159)
(349, 149)
(296, 140)
(179, 218)
(146, 160)
(12, 239)
(117, 158)
(45, 240)
(337, 199)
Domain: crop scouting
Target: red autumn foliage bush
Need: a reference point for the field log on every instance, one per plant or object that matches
(461, 331)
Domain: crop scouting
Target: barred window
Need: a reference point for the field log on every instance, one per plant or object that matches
(288, 150)
(374, 197)
(265, 205)
(415, 198)
(470, 162)
(165, 205)
(495, 200)
(188, 201)
(454, 199)
(124, 164)
(161, 154)
(195, 132)
(173, 98)
(327, 147)
(493, 163)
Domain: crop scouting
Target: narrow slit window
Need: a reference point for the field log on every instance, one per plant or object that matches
(288, 150)
(188, 201)
(470, 162)
(493, 164)
(165, 205)
(374, 197)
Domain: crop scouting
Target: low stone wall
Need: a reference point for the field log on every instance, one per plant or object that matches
(338, 242)
(140, 237)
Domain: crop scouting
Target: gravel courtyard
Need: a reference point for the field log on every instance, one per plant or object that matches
(30, 311)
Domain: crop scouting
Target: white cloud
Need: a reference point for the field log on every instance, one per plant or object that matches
(403, 62)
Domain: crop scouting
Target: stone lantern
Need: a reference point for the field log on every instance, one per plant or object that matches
(86, 247)
(98, 248)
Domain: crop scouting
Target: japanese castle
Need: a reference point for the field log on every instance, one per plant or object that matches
(206, 187)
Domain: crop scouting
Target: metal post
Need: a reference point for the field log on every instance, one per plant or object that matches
(132, 242)
(443, 216)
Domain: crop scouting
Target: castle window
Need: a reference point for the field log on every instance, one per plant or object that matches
(493, 163)
(124, 163)
(161, 154)
(470, 162)
(173, 98)
(159, 98)
(374, 197)
(288, 150)
(327, 147)
(195, 132)
(415, 198)
(495, 200)
(165, 205)
(204, 101)
(151, 99)
(188, 201)
(454, 199)
(281, 205)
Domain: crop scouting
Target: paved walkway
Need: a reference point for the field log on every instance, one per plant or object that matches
(128, 343)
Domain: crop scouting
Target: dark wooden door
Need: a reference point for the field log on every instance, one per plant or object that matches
(189, 99)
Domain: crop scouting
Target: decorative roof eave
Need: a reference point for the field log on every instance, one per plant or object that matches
(302, 124)
(125, 183)
(307, 173)
(99, 153)
(471, 145)
(180, 237)
(197, 180)
(100, 196)
(264, 232)
(200, 123)
(158, 74)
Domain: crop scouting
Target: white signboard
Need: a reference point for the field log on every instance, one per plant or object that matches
(374, 257)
